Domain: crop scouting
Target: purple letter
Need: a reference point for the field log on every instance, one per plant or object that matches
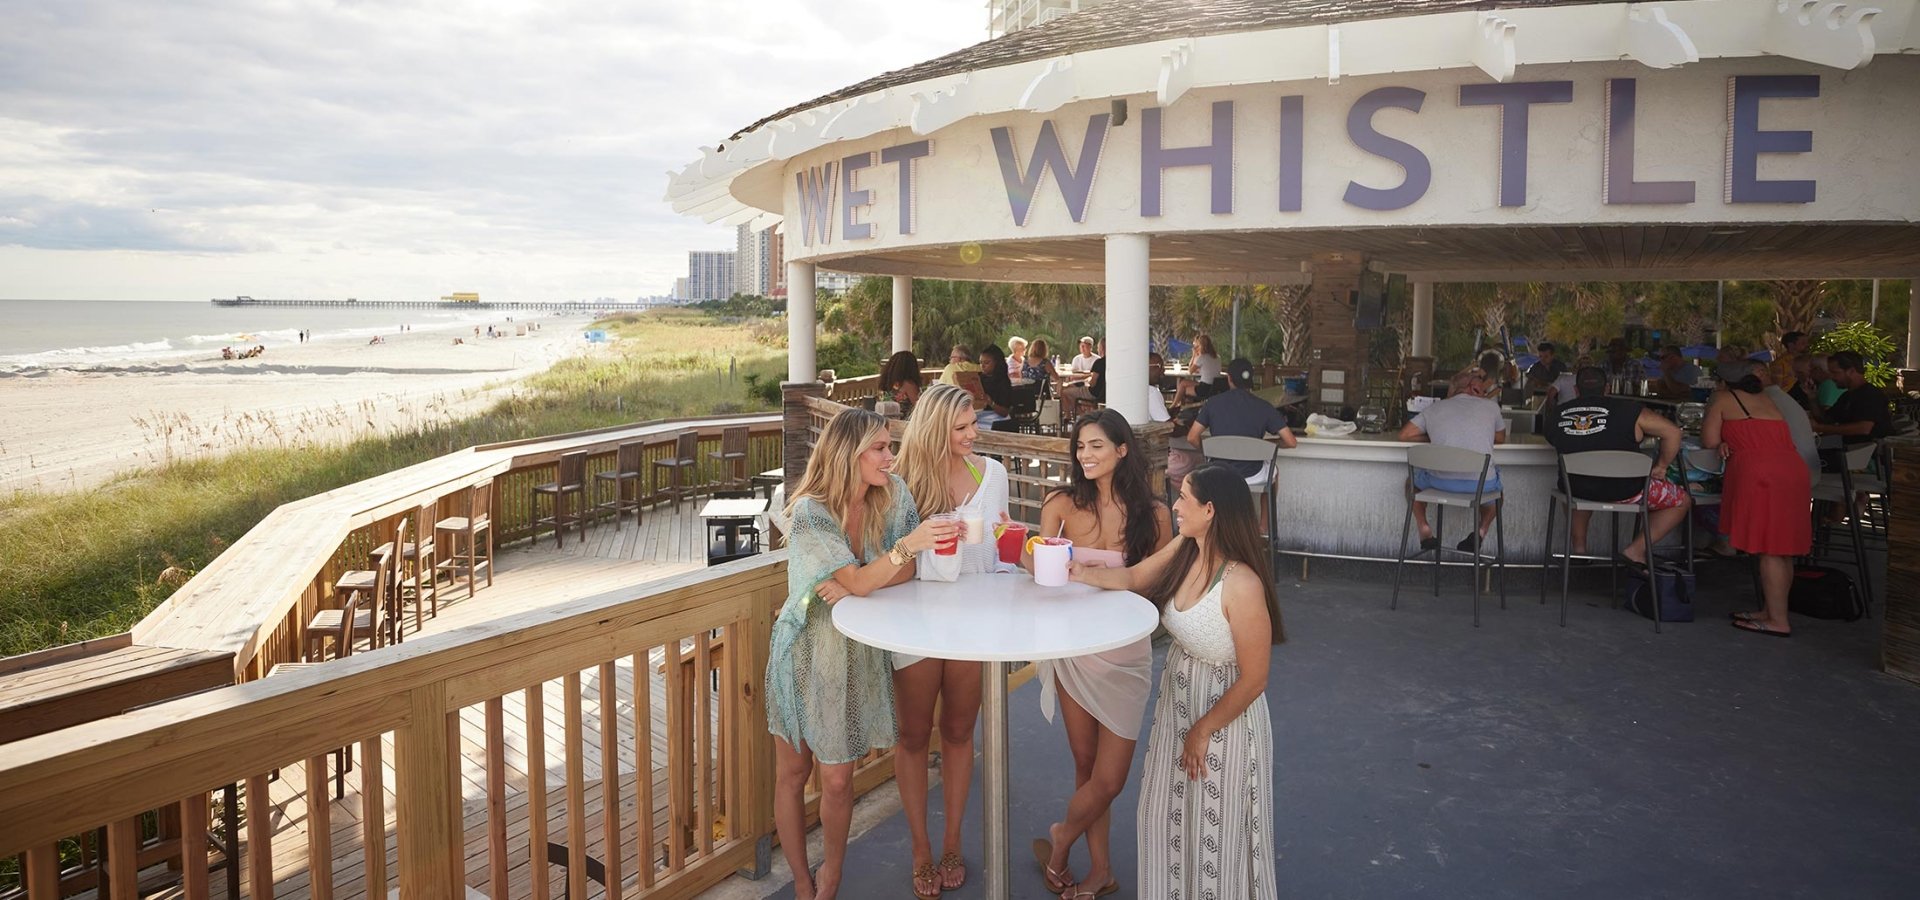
(905, 154)
(1293, 142)
(816, 203)
(1514, 100)
(852, 198)
(1076, 183)
(1360, 131)
(1217, 156)
(1616, 184)
(1745, 140)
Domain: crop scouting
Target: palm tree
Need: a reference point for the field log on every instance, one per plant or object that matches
(1795, 305)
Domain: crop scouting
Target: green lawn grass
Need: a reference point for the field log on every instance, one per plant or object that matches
(80, 565)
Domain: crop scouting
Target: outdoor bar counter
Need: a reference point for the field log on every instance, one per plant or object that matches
(1346, 497)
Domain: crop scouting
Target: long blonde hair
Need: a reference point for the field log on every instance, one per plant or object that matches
(923, 451)
(833, 474)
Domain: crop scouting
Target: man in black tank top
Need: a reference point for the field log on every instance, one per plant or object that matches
(1595, 421)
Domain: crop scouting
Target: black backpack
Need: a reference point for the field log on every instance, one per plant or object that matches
(1825, 593)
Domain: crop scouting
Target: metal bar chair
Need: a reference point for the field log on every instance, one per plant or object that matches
(1249, 449)
(1841, 487)
(1595, 464)
(1437, 458)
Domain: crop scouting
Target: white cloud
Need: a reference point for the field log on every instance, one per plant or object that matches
(198, 148)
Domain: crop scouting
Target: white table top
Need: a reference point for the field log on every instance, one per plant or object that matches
(733, 509)
(995, 618)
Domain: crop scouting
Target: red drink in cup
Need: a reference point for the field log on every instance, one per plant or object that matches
(1013, 539)
(952, 545)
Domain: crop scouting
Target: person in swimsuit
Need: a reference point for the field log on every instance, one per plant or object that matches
(944, 475)
(852, 530)
(1206, 817)
(1109, 512)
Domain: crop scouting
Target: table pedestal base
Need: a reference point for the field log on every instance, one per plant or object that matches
(993, 711)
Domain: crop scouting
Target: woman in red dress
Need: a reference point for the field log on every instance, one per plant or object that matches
(1766, 492)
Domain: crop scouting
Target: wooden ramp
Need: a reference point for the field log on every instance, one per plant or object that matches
(669, 541)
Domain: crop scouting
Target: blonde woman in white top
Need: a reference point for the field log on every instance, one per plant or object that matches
(943, 475)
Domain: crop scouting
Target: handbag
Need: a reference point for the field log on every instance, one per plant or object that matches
(1668, 587)
(1824, 593)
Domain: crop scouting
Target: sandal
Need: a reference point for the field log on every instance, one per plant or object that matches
(949, 864)
(1057, 881)
(1749, 615)
(1110, 887)
(1759, 627)
(927, 874)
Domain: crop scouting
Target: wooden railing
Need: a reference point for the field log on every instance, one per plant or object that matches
(468, 809)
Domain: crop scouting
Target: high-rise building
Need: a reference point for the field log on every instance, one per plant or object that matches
(756, 261)
(1009, 16)
(680, 291)
(710, 274)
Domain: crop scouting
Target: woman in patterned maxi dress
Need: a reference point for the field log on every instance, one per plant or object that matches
(852, 530)
(1205, 822)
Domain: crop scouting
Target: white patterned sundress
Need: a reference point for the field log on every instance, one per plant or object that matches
(1210, 839)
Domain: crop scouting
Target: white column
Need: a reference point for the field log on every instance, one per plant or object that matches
(1913, 323)
(902, 313)
(1126, 375)
(801, 361)
(1423, 318)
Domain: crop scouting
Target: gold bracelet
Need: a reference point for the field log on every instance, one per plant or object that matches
(899, 554)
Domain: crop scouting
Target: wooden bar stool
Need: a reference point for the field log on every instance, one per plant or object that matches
(732, 455)
(626, 468)
(457, 538)
(342, 756)
(363, 591)
(568, 494)
(684, 458)
(421, 584)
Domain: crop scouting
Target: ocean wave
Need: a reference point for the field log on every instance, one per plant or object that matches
(87, 354)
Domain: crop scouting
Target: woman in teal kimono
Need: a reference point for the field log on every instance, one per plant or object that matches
(852, 530)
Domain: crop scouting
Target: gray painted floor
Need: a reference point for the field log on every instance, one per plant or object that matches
(1419, 756)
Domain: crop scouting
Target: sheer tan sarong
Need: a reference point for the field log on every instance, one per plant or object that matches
(1113, 685)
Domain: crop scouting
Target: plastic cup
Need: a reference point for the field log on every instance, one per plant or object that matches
(1013, 539)
(1050, 558)
(976, 525)
(951, 546)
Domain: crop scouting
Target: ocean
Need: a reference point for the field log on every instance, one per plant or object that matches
(85, 334)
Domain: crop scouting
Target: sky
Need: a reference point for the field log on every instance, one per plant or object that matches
(397, 150)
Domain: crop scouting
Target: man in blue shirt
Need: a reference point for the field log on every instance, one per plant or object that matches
(1238, 412)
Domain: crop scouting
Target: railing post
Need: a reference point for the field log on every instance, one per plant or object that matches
(795, 419)
(431, 837)
(753, 743)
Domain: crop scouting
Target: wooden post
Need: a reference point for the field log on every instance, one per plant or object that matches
(259, 839)
(319, 830)
(193, 847)
(432, 847)
(373, 816)
(1900, 639)
(43, 873)
(795, 419)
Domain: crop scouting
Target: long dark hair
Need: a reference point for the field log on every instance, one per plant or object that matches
(1235, 538)
(1141, 532)
(901, 366)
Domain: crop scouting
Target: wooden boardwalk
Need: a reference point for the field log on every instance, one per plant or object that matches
(668, 541)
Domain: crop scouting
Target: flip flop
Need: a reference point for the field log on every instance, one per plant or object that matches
(1430, 543)
(1042, 854)
(1110, 887)
(1759, 628)
(1746, 616)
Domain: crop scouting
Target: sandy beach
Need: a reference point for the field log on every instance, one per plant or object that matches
(73, 429)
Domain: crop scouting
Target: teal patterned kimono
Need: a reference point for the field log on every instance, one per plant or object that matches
(824, 689)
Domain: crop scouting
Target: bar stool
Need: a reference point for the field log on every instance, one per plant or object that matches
(732, 454)
(459, 537)
(342, 756)
(1841, 488)
(1438, 458)
(363, 592)
(1595, 464)
(626, 468)
(567, 492)
(421, 584)
(1712, 463)
(684, 457)
(1236, 448)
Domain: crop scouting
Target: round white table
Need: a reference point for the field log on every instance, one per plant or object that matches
(995, 619)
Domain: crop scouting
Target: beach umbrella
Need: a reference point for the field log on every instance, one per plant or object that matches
(1178, 348)
(1761, 356)
(1699, 351)
(1525, 362)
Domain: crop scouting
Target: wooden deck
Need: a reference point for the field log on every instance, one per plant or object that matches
(670, 540)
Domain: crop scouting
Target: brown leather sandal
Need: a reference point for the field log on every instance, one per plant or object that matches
(927, 874)
(949, 864)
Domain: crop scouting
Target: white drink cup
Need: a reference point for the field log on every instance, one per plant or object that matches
(1050, 557)
(976, 525)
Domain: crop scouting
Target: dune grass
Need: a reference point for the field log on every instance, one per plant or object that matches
(80, 565)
